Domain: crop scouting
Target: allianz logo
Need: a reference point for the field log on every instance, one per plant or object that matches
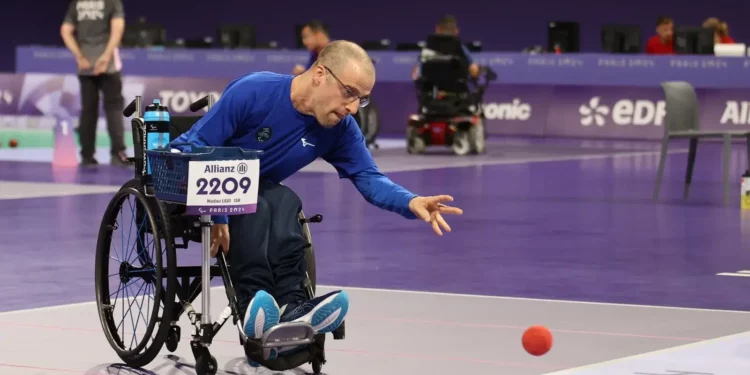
(637, 112)
(515, 110)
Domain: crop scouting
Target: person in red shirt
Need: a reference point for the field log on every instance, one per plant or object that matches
(724, 34)
(661, 43)
(721, 30)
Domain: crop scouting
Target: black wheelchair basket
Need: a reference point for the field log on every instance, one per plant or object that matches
(159, 211)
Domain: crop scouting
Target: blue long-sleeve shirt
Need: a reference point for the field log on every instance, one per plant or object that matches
(256, 112)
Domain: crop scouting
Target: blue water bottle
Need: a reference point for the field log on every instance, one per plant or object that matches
(156, 118)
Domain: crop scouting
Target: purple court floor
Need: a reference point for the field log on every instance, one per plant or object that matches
(555, 219)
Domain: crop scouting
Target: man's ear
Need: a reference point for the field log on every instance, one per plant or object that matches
(318, 75)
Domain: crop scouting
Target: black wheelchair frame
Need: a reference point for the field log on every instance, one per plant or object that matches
(166, 222)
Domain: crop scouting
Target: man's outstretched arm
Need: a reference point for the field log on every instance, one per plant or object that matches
(353, 160)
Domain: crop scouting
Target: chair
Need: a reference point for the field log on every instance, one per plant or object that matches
(682, 121)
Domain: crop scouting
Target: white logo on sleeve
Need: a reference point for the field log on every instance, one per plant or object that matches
(305, 143)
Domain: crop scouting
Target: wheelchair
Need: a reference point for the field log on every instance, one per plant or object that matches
(171, 290)
(450, 103)
(368, 119)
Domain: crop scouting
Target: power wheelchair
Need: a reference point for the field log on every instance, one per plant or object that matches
(168, 286)
(449, 100)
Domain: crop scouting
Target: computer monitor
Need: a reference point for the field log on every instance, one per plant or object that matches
(236, 36)
(693, 41)
(410, 46)
(376, 45)
(564, 36)
(621, 38)
(475, 46)
(143, 34)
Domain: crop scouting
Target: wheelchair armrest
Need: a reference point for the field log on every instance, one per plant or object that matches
(489, 74)
(317, 218)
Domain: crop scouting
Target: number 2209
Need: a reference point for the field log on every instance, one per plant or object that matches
(216, 186)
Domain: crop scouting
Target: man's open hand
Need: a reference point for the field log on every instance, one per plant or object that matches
(219, 237)
(431, 210)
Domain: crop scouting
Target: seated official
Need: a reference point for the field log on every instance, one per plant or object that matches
(721, 30)
(662, 43)
(315, 36)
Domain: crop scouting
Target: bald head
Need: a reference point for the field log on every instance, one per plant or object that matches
(337, 84)
(339, 54)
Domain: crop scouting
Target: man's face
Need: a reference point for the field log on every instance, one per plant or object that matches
(665, 31)
(311, 39)
(337, 93)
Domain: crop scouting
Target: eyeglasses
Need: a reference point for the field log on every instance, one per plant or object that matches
(349, 94)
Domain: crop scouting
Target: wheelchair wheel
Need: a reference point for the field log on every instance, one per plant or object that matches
(368, 119)
(317, 366)
(309, 255)
(478, 137)
(140, 264)
(461, 143)
(415, 144)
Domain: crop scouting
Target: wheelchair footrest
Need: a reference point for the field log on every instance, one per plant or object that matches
(282, 335)
(284, 363)
(288, 334)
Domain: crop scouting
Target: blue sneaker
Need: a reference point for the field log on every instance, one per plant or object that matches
(324, 313)
(261, 315)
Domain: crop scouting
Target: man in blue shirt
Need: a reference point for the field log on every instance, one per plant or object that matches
(295, 120)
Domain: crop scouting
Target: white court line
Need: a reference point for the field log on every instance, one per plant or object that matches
(535, 299)
(25, 190)
(334, 287)
(571, 371)
(743, 273)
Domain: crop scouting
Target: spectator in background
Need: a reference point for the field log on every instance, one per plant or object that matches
(724, 34)
(721, 30)
(92, 31)
(449, 26)
(315, 36)
(661, 43)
